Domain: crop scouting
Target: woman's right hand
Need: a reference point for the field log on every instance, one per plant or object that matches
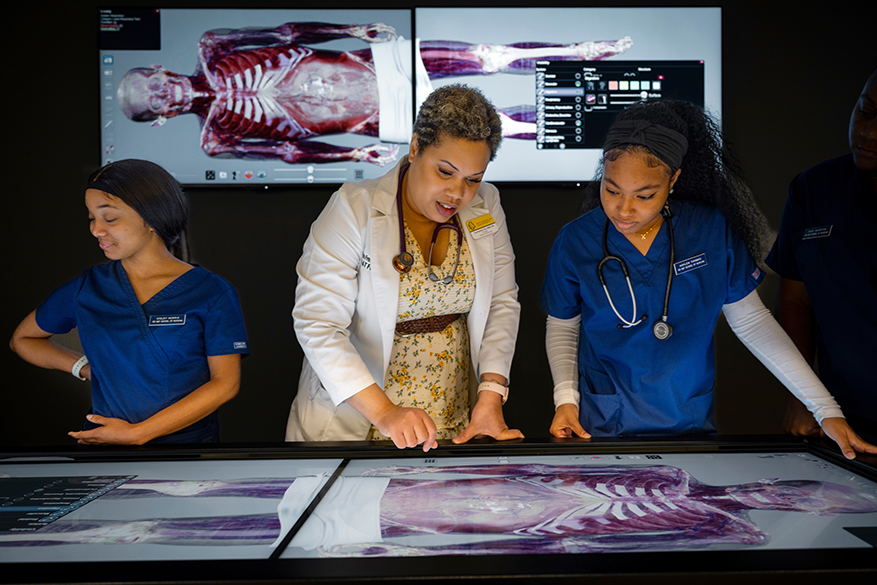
(407, 427)
(566, 423)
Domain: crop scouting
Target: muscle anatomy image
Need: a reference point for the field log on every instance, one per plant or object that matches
(266, 93)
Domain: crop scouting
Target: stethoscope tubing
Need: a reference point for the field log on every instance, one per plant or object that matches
(404, 261)
(662, 330)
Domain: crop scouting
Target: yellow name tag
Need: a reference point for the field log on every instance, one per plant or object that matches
(482, 226)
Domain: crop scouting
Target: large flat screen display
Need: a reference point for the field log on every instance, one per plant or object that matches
(284, 97)
(249, 96)
(584, 502)
(560, 75)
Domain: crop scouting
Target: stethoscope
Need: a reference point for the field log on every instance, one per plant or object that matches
(661, 329)
(404, 261)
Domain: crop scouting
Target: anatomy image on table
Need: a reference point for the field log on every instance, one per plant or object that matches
(496, 509)
(263, 93)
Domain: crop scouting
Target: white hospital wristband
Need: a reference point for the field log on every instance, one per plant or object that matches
(77, 367)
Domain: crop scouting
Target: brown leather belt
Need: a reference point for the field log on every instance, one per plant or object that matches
(426, 325)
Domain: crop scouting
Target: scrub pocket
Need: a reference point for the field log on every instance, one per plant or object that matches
(600, 409)
(701, 413)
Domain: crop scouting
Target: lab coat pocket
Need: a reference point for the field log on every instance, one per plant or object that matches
(315, 387)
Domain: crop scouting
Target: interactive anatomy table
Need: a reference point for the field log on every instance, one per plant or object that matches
(544, 511)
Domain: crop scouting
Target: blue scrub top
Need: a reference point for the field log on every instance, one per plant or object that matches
(146, 357)
(825, 241)
(630, 382)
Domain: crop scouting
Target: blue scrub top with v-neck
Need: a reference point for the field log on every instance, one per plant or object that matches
(630, 382)
(146, 357)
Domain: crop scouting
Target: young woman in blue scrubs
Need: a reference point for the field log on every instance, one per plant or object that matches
(163, 339)
(635, 356)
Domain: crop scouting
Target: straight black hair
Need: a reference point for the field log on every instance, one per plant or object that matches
(153, 193)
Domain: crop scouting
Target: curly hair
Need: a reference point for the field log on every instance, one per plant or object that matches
(153, 193)
(711, 173)
(458, 111)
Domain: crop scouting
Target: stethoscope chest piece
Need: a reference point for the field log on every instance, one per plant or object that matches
(403, 262)
(662, 330)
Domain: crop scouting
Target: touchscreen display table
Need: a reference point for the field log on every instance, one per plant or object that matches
(346, 511)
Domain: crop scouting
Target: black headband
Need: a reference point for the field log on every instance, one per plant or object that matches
(101, 186)
(666, 144)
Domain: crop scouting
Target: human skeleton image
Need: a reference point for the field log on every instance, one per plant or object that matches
(495, 509)
(263, 93)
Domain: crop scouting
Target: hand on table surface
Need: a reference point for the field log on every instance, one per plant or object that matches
(566, 423)
(487, 420)
(838, 430)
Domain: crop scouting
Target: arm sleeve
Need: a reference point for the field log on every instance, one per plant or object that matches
(562, 345)
(501, 329)
(325, 299)
(224, 331)
(762, 335)
(57, 314)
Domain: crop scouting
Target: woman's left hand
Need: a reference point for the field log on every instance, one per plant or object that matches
(112, 431)
(838, 430)
(487, 420)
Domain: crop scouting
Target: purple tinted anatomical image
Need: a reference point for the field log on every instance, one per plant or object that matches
(558, 508)
(481, 509)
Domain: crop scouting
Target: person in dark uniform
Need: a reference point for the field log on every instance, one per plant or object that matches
(828, 270)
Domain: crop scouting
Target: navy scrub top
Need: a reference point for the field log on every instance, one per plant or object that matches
(630, 382)
(146, 357)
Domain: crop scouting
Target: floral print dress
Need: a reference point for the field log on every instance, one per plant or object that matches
(431, 370)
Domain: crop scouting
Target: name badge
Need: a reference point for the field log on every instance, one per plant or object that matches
(166, 320)
(690, 264)
(482, 226)
(817, 232)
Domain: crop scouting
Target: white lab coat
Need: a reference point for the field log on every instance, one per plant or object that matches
(346, 303)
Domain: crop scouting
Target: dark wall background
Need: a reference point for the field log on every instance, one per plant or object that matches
(793, 70)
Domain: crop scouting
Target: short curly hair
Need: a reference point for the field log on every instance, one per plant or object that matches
(458, 111)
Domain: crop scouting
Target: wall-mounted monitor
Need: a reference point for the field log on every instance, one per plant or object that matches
(251, 96)
(262, 97)
(562, 74)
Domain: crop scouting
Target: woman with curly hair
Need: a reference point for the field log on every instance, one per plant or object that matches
(635, 286)
(405, 282)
